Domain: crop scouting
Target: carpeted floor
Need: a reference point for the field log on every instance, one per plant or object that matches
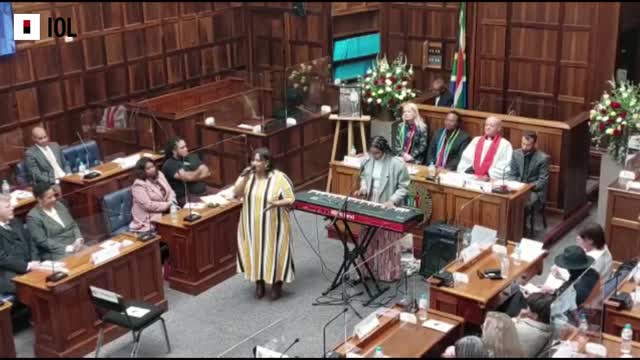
(227, 319)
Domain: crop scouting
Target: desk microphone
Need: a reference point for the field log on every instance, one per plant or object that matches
(55, 275)
(331, 354)
(156, 121)
(149, 234)
(503, 188)
(192, 216)
(297, 340)
(91, 174)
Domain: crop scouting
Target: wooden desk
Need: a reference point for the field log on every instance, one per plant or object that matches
(612, 343)
(84, 195)
(301, 151)
(615, 320)
(503, 212)
(64, 319)
(622, 224)
(403, 340)
(566, 142)
(24, 206)
(473, 300)
(202, 253)
(7, 346)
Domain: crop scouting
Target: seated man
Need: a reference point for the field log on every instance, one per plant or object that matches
(16, 253)
(53, 230)
(533, 324)
(487, 156)
(182, 168)
(581, 275)
(530, 165)
(44, 160)
(445, 97)
(448, 143)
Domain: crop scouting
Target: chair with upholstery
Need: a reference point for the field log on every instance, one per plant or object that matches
(22, 174)
(89, 152)
(116, 207)
(111, 308)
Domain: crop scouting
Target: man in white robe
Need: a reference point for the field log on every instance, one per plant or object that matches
(494, 160)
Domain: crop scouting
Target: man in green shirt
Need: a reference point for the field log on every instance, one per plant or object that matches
(182, 168)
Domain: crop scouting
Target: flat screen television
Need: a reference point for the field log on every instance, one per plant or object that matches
(352, 56)
(7, 43)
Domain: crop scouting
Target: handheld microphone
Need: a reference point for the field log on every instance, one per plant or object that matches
(331, 354)
(297, 340)
(91, 174)
(248, 170)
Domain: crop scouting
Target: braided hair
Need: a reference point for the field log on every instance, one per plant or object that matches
(172, 144)
(380, 143)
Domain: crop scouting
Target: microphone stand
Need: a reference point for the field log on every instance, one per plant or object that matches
(503, 188)
(149, 234)
(137, 109)
(332, 354)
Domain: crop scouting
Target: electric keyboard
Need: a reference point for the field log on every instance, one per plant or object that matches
(398, 219)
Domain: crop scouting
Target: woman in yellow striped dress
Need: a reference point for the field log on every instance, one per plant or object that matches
(264, 230)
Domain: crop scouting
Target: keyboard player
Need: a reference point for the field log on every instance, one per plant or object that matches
(384, 179)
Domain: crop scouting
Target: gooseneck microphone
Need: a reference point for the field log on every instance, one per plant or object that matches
(55, 275)
(192, 216)
(137, 108)
(91, 174)
(297, 340)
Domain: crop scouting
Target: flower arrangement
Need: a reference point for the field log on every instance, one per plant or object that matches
(300, 77)
(615, 117)
(386, 86)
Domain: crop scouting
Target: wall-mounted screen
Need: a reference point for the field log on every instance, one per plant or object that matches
(7, 44)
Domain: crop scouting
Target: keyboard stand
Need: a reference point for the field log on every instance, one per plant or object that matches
(350, 257)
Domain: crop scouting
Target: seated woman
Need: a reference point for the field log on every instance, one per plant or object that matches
(152, 196)
(412, 137)
(468, 347)
(591, 239)
(53, 230)
(500, 336)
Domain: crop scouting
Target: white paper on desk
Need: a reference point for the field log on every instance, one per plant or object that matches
(136, 312)
(438, 325)
(195, 206)
(483, 237)
(452, 179)
(412, 169)
(214, 199)
(511, 184)
(245, 126)
(529, 250)
(366, 326)
(57, 266)
(227, 193)
(21, 194)
(553, 282)
(529, 289)
(408, 318)
(110, 243)
(469, 253)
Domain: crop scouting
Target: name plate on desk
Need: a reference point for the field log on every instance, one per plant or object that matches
(103, 255)
(366, 326)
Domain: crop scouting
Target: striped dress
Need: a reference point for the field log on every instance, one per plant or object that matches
(264, 248)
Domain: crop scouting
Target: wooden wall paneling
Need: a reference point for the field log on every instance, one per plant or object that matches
(7, 109)
(117, 86)
(74, 92)
(27, 104)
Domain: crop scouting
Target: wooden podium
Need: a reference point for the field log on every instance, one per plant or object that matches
(350, 120)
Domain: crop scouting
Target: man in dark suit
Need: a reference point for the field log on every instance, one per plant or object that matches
(448, 143)
(530, 165)
(16, 252)
(445, 97)
(44, 159)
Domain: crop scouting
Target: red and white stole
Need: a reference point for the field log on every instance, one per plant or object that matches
(482, 169)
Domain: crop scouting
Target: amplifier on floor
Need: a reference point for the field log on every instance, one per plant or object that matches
(439, 247)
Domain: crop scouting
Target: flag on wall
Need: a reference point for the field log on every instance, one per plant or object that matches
(459, 70)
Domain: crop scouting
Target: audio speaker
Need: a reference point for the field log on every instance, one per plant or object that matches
(439, 247)
(298, 8)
